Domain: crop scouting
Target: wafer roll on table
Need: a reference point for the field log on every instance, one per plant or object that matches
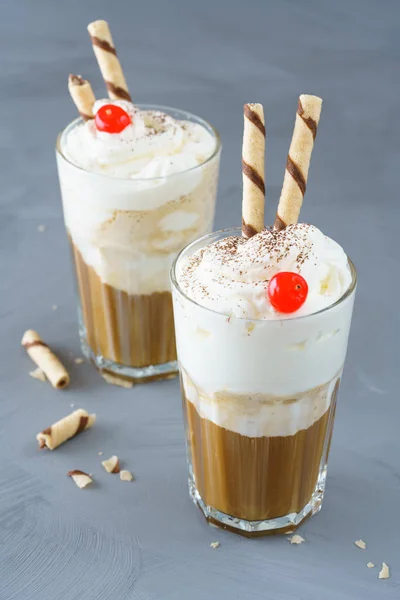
(253, 158)
(110, 67)
(298, 161)
(45, 359)
(65, 429)
(82, 95)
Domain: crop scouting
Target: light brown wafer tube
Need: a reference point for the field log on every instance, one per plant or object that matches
(65, 429)
(44, 357)
(81, 478)
(298, 161)
(82, 95)
(107, 58)
(253, 157)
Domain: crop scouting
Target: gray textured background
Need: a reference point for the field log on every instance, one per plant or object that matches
(146, 540)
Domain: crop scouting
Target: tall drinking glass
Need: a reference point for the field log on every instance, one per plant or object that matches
(124, 235)
(259, 400)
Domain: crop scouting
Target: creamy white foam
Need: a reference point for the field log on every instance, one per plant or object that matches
(257, 415)
(133, 200)
(231, 276)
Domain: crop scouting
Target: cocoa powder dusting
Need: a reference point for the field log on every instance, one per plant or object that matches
(268, 247)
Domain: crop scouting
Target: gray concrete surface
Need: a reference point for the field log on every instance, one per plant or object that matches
(146, 540)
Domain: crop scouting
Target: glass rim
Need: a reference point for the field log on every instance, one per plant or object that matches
(161, 108)
(236, 230)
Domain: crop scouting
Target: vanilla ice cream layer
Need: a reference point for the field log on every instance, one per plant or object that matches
(257, 415)
(132, 201)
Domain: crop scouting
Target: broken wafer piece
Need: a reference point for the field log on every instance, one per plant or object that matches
(111, 465)
(110, 67)
(370, 565)
(298, 161)
(65, 429)
(125, 475)
(253, 157)
(82, 96)
(360, 544)
(384, 573)
(296, 539)
(81, 478)
(38, 374)
(116, 380)
(45, 359)
(214, 545)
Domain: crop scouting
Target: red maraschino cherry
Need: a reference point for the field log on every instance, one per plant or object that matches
(112, 119)
(287, 291)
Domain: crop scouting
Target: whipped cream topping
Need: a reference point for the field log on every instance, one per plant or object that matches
(231, 276)
(154, 145)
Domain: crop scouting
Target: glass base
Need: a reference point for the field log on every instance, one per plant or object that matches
(281, 525)
(167, 370)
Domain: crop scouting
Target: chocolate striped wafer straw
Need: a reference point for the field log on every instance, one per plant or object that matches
(107, 58)
(65, 429)
(82, 95)
(45, 359)
(253, 157)
(298, 161)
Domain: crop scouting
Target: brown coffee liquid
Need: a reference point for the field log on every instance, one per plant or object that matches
(132, 330)
(257, 478)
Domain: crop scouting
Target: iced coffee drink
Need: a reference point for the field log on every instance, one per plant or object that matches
(262, 322)
(138, 183)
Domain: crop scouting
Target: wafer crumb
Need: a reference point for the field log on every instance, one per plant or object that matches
(111, 465)
(360, 544)
(214, 545)
(370, 565)
(100, 453)
(125, 475)
(38, 374)
(41, 228)
(115, 380)
(79, 361)
(296, 539)
(81, 478)
(384, 573)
